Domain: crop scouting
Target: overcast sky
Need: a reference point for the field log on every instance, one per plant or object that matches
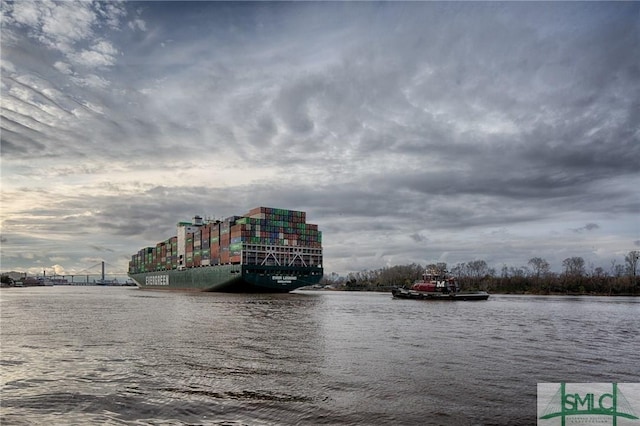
(409, 132)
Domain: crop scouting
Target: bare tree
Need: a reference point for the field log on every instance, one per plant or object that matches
(574, 266)
(478, 269)
(631, 260)
(540, 266)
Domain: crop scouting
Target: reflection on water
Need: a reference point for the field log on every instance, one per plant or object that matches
(126, 356)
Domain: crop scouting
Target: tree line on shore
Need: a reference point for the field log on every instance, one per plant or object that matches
(534, 278)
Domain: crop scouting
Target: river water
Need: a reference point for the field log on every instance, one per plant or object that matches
(123, 356)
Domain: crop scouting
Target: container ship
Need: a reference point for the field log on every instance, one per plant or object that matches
(267, 250)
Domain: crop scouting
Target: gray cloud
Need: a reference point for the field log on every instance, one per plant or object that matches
(389, 123)
(588, 227)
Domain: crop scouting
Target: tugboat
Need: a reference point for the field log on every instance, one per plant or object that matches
(436, 285)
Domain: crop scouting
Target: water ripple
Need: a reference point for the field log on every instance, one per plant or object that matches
(311, 358)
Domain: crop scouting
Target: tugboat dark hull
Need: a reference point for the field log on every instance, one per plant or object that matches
(402, 293)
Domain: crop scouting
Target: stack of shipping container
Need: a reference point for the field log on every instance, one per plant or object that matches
(250, 239)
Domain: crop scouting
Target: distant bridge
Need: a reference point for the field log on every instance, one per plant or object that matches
(89, 276)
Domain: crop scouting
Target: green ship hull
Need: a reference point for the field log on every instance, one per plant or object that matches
(231, 278)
